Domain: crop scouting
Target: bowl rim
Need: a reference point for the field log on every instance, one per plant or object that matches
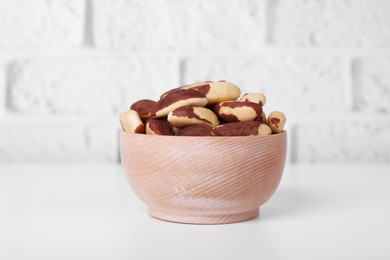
(284, 133)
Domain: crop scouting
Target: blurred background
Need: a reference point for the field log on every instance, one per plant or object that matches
(69, 67)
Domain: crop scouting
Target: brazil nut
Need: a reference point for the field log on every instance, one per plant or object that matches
(276, 120)
(208, 108)
(202, 87)
(254, 128)
(262, 118)
(180, 98)
(131, 122)
(175, 129)
(144, 108)
(158, 127)
(214, 91)
(196, 130)
(237, 111)
(190, 115)
(255, 98)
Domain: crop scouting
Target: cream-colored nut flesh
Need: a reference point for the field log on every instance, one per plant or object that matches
(144, 108)
(222, 91)
(264, 129)
(149, 131)
(175, 129)
(241, 113)
(131, 122)
(181, 103)
(158, 127)
(238, 111)
(214, 91)
(276, 121)
(255, 98)
(190, 115)
(178, 98)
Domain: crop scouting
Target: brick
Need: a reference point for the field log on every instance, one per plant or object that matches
(331, 23)
(372, 84)
(179, 25)
(92, 86)
(41, 23)
(343, 142)
(296, 85)
(57, 143)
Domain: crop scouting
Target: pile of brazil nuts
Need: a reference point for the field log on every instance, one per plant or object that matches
(203, 109)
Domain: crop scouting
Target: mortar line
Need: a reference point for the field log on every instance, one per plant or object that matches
(269, 20)
(88, 39)
(348, 88)
(355, 73)
(182, 71)
(3, 90)
(92, 52)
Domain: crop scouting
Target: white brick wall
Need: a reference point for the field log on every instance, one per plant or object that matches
(372, 83)
(86, 85)
(185, 25)
(67, 68)
(331, 23)
(343, 141)
(53, 142)
(41, 23)
(294, 84)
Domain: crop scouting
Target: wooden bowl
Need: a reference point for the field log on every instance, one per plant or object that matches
(203, 180)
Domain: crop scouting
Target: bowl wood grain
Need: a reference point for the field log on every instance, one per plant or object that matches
(203, 180)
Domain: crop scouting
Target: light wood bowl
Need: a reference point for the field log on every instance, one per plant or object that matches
(203, 180)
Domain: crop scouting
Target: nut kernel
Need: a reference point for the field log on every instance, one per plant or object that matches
(249, 128)
(237, 111)
(180, 98)
(131, 122)
(214, 91)
(276, 120)
(144, 108)
(189, 115)
(196, 130)
(255, 98)
(158, 127)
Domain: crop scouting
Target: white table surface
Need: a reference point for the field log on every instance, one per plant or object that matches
(90, 212)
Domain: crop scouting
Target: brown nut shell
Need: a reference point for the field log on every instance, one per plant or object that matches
(214, 91)
(179, 98)
(190, 115)
(262, 118)
(255, 128)
(238, 111)
(131, 122)
(175, 129)
(144, 108)
(196, 130)
(258, 98)
(222, 91)
(276, 120)
(203, 87)
(158, 127)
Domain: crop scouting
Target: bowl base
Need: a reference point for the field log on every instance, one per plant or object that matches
(205, 218)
